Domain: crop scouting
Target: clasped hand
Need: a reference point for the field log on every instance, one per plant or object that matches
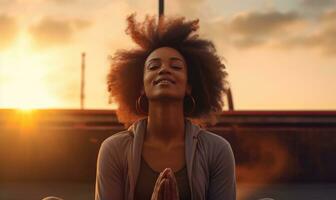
(166, 186)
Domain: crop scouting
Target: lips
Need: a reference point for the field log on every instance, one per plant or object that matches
(164, 81)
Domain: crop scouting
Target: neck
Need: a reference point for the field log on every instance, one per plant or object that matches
(165, 122)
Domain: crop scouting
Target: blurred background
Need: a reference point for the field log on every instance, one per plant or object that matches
(280, 114)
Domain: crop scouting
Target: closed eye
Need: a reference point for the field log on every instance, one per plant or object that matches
(153, 66)
(176, 67)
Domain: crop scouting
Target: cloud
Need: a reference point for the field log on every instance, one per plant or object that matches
(9, 31)
(256, 23)
(328, 16)
(51, 32)
(249, 29)
(317, 3)
(276, 30)
(323, 40)
(314, 8)
(322, 37)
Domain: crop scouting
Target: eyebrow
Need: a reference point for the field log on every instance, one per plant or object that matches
(158, 59)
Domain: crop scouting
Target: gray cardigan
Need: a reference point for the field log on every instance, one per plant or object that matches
(209, 159)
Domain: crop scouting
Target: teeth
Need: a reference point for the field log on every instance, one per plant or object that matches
(164, 81)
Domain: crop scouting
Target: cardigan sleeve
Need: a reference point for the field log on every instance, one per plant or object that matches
(222, 184)
(109, 177)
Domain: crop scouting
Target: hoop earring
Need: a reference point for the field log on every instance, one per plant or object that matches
(193, 105)
(138, 105)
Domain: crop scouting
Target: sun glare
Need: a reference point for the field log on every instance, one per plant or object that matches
(23, 78)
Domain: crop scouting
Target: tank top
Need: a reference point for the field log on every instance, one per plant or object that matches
(147, 178)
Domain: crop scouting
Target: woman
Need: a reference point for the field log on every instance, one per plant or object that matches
(172, 77)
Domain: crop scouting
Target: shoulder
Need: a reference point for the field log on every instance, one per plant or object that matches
(215, 147)
(118, 139)
(205, 137)
(213, 140)
(116, 143)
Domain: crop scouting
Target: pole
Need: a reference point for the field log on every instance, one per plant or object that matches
(161, 8)
(230, 100)
(82, 95)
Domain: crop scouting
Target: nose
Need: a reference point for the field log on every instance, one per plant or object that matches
(165, 69)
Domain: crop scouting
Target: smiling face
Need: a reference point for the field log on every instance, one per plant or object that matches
(165, 75)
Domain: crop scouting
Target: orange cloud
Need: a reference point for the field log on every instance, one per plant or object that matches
(256, 28)
(322, 38)
(328, 16)
(9, 31)
(277, 29)
(250, 29)
(256, 23)
(51, 32)
(317, 3)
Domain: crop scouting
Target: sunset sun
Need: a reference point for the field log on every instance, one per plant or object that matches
(23, 78)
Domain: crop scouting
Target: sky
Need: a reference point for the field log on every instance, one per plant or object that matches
(280, 54)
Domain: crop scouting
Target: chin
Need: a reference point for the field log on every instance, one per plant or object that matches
(166, 96)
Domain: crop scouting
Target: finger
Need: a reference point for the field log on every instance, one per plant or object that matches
(166, 172)
(158, 180)
(159, 184)
(172, 190)
(172, 177)
(169, 195)
(157, 189)
(160, 191)
(166, 191)
(173, 186)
